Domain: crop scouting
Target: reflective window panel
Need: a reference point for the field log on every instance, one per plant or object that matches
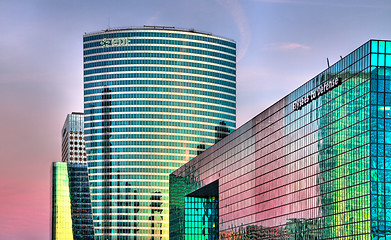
(315, 165)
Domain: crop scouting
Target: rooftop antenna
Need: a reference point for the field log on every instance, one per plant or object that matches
(328, 63)
(109, 23)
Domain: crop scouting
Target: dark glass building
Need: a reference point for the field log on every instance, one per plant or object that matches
(315, 165)
(154, 98)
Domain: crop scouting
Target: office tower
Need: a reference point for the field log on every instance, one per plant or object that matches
(71, 202)
(73, 145)
(154, 98)
(315, 165)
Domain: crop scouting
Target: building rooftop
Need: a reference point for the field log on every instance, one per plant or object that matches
(146, 27)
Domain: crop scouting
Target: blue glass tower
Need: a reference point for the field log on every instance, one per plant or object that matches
(154, 98)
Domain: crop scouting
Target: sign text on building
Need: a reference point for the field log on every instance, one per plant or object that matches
(322, 89)
(115, 42)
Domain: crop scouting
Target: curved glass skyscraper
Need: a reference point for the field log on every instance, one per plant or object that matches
(154, 98)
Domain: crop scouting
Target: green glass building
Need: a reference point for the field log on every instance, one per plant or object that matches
(315, 165)
(154, 98)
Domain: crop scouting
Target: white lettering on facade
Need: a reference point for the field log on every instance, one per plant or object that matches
(115, 42)
(322, 89)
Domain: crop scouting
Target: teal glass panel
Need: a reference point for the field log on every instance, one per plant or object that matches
(388, 60)
(374, 47)
(382, 47)
(382, 60)
(201, 218)
(374, 59)
(388, 47)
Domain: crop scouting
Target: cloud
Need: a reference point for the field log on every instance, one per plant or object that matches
(239, 17)
(287, 46)
(152, 20)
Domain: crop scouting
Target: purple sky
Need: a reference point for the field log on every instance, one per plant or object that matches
(281, 44)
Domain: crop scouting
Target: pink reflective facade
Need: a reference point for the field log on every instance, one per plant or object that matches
(315, 165)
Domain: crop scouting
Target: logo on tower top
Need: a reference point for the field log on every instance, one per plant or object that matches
(105, 43)
(115, 42)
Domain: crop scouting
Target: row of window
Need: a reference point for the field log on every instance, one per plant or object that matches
(113, 176)
(155, 88)
(164, 70)
(160, 110)
(130, 197)
(148, 75)
(120, 237)
(144, 130)
(154, 116)
(381, 60)
(159, 34)
(196, 139)
(129, 190)
(128, 170)
(220, 108)
(382, 201)
(150, 41)
(140, 156)
(142, 150)
(380, 150)
(171, 82)
(135, 208)
(216, 125)
(128, 184)
(383, 89)
(161, 55)
(145, 143)
(192, 51)
(151, 84)
(146, 96)
(107, 132)
(154, 233)
(381, 163)
(159, 62)
(381, 46)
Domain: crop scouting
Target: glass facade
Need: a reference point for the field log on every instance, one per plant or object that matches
(71, 200)
(61, 203)
(315, 165)
(154, 98)
(82, 224)
(71, 203)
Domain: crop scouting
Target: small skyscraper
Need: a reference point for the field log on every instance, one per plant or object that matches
(71, 202)
(73, 145)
